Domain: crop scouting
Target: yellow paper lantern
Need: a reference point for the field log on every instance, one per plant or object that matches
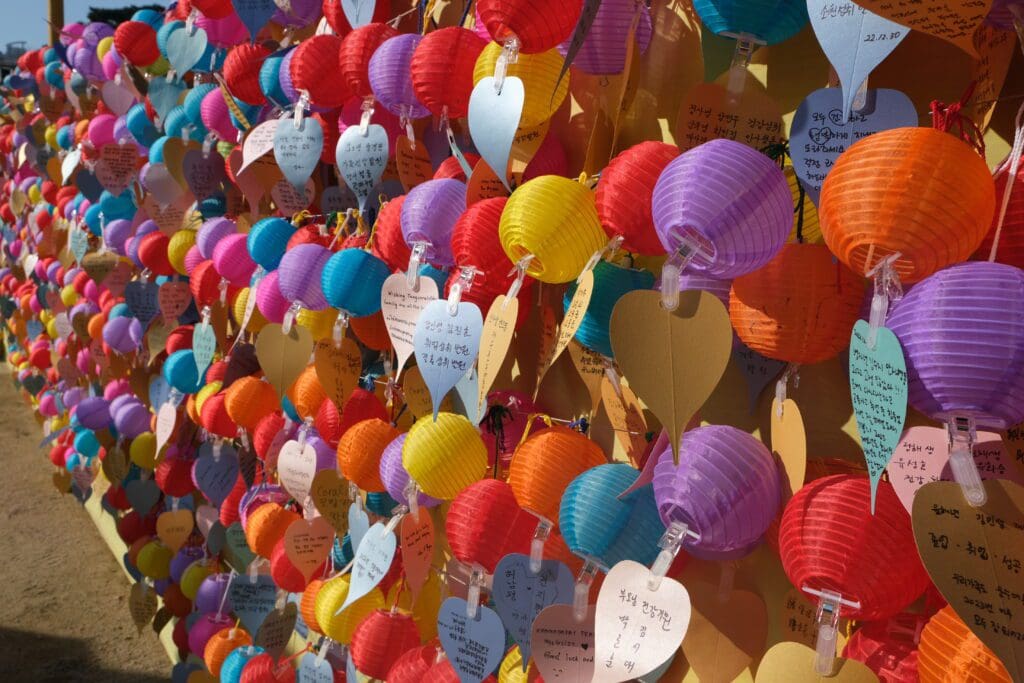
(205, 393)
(319, 323)
(178, 247)
(256, 319)
(193, 577)
(34, 195)
(445, 456)
(160, 67)
(331, 596)
(511, 669)
(424, 610)
(142, 451)
(555, 220)
(69, 296)
(103, 47)
(539, 73)
(154, 560)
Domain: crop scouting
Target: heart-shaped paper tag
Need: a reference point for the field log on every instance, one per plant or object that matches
(373, 559)
(361, 159)
(358, 524)
(417, 532)
(203, 172)
(330, 493)
(672, 359)
(161, 184)
(252, 601)
(174, 528)
(446, 347)
(255, 13)
(297, 149)
(185, 47)
(794, 663)
(493, 120)
(563, 648)
(307, 544)
(276, 629)
(282, 356)
(117, 97)
(474, 646)
(142, 298)
(296, 468)
(142, 495)
(215, 473)
(401, 306)
(954, 21)
(259, 141)
(338, 367)
(520, 594)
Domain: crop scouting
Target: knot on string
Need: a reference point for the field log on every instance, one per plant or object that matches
(946, 117)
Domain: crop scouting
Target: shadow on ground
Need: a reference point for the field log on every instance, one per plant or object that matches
(38, 658)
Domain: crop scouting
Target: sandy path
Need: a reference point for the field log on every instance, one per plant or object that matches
(63, 598)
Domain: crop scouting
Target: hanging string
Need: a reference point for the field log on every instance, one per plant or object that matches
(465, 13)
(1011, 165)
(946, 117)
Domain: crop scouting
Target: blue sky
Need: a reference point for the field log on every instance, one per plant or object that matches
(29, 23)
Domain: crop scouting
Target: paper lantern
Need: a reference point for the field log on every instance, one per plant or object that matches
(331, 597)
(211, 593)
(388, 242)
(267, 525)
(799, 308)
(729, 199)
(444, 456)
(285, 574)
(554, 220)
(269, 301)
(475, 244)
(394, 476)
(220, 645)
(544, 93)
(154, 560)
(307, 605)
(917, 191)
(949, 651)
(962, 331)
(204, 628)
(485, 523)
(606, 45)
(335, 15)
(725, 488)
(596, 524)
(429, 213)
(136, 42)
(611, 283)
(231, 259)
(390, 77)
(442, 70)
(770, 22)
(535, 24)
(829, 540)
(889, 648)
(242, 72)
(624, 192)
(1011, 236)
(544, 465)
(352, 281)
(359, 452)
(263, 668)
(355, 53)
(235, 662)
(300, 276)
(314, 69)
(380, 640)
(412, 665)
(248, 400)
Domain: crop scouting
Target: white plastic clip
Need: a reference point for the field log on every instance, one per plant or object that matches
(540, 536)
(670, 543)
(364, 118)
(303, 432)
(581, 591)
(338, 331)
(610, 248)
(300, 109)
(289, 317)
(509, 55)
(962, 436)
(781, 386)
(745, 46)
(477, 581)
(520, 272)
(460, 286)
(405, 120)
(689, 248)
(208, 143)
(829, 605)
(887, 287)
(412, 274)
(412, 495)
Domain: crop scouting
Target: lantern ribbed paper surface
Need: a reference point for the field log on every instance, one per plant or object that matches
(1011, 236)
(539, 73)
(624, 194)
(314, 68)
(605, 48)
(962, 331)
(265, 526)
(388, 241)
(390, 78)
(829, 540)
(445, 456)
(380, 640)
(359, 452)
(772, 22)
(242, 72)
(611, 282)
(887, 647)
(485, 523)
(555, 220)
(429, 213)
(538, 25)
(918, 191)
(394, 476)
(331, 597)
(949, 651)
(220, 645)
(354, 56)
(442, 70)
(726, 488)
(476, 243)
(267, 241)
(731, 199)
(800, 307)
(352, 280)
(544, 465)
(307, 605)
(595, 523)
(235, 662)
(412, 665)
(299, 276)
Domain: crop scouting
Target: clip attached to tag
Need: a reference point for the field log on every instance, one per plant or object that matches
(962, 436)
(829, 605)
(509, 55)
(887, 288)
(689, 248)
(670, 543)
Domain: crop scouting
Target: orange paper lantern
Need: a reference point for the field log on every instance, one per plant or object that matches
(359, 451)
(949, 651)
(265, 526)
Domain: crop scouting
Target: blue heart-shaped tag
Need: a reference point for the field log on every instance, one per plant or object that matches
(185, 49)
(494, 119)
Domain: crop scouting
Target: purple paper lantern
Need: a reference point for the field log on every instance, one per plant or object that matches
(726, 488)
(391, 78)
(93, 412)
(962, 331)
(300, 13)
(604, 49)
(298, 276)
(132, 419)
(429, 213)
(731, 199)
(123, 334)
(212, 592)
(395, 477)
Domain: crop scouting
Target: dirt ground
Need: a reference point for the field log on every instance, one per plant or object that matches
(63, 598)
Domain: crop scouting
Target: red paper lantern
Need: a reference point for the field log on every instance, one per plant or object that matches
(136, 43)
(263, 435)
(212, 9)
(388, 242)
(361, 405)
(174, 476)
(887, 647)
(263, 668)
(539, 25)
(413, 665)
(380, 640)
(475, 243)
(829, 540)
(442, 70)
(242, 72)
(337, 20)
(215, 419)
(314, 68)
(1011, 236)
(451, 168)
(284, 572)
(153, 253)
(328, 423)
(624, 195)
(485, 523)
(354, 56)
(229, 508)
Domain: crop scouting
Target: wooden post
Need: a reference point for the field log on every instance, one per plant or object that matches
(56, 17)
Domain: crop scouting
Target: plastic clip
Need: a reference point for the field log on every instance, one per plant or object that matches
(412, 274)
(509, 55)
(463, 284)
(520, 272)
(300, 110)
(781, 386)
(411, 491)
(581, 591)
(540, 536)
(364, 118)
(887, 287)
(289, 317)
(303, 432)
(477, 580)
(745, 46)
(338, 331)
(829, 605)
(670, 543)
(962, 436)
(689, 248)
